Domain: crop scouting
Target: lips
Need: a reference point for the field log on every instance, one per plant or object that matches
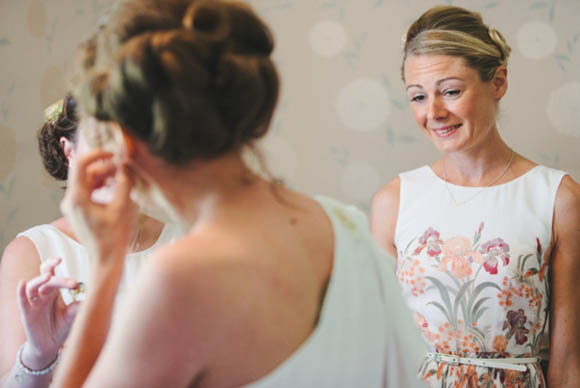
(446, 131)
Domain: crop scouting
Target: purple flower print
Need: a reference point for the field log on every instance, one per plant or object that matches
(493, 251)
(430, 239)
(515, 322)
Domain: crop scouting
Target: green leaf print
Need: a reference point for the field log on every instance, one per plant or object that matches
(444, 295)
(479, 333)
(443, 310)
(459, 298)
(480, 288)
(476, 308)
(479, 314)
(523, 262)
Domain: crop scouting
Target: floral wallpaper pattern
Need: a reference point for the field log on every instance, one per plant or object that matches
(343, 125)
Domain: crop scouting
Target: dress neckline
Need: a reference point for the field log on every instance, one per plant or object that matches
(469, 188)
(128, 255)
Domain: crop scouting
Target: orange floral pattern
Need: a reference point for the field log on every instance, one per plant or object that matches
(476, 298)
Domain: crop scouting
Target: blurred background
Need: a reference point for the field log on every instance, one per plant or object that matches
(343, 126)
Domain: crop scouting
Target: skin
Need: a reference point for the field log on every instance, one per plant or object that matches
(444, 92)
(42, 326)
(219, 287)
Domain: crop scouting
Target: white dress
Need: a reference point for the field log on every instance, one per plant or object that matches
(473, 267)
(50, 242)
(365, 337)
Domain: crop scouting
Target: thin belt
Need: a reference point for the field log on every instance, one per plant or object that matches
(518, 364)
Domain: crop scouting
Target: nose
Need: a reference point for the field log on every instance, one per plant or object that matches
(437, 110)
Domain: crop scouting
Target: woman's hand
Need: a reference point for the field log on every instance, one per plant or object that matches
(105, 229)
(45, 317)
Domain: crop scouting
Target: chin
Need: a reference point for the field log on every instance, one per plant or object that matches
(448, 145)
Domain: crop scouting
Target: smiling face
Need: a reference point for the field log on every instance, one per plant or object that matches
(455, 109)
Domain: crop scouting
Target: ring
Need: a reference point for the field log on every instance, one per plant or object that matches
(34, 298)
(76, 292)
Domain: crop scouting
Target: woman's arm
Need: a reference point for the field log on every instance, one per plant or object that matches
(384, 213)
(564, 369)
(19, 261)
(104, 229)
(41, 327)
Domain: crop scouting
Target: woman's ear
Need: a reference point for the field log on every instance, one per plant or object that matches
(67, 147)
(500, 82)
(130, 143)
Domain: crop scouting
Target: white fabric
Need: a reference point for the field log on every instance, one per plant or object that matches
(474, 271)
(50, 243)
(365, 337)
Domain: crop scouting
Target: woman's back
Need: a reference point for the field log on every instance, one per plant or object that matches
(282, 295)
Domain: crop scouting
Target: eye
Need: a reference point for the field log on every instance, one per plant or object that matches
(451, 92)
(417, 98)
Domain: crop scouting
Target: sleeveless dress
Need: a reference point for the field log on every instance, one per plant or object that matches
(50, 242)
(473, 266)
(365, 337)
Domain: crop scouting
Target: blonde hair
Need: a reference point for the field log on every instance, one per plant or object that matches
(455, 31)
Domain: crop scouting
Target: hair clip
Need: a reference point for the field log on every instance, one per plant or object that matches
(52, 113)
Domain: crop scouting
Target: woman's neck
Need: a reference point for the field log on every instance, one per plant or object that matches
(484, 165)
(194, 191)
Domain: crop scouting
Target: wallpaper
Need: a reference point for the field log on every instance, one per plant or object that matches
(343, 126)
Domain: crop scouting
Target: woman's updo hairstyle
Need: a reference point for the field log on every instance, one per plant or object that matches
(60, 120)
(192, 90)
(455, 31)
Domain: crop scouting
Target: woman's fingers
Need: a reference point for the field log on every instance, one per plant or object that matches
(99, 172)
(84, 175)
(34, 284)
(125, 181)
(49, 265)
(56, 283)
(79, 169)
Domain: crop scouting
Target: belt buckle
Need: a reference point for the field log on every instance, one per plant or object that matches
(446, 358)
(454, 360)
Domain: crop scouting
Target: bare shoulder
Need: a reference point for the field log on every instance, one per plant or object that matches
(182, 286)
(199, 268)
(388, 195)
(209, 287)
(568, 192)
(20, 252)
(567, 209)
(384, 214)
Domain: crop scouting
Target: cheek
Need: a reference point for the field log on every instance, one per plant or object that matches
(418, 115)
(481, 115)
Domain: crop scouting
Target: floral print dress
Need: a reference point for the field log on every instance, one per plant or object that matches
(473, 268)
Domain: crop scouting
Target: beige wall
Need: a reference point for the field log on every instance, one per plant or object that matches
(343, 126)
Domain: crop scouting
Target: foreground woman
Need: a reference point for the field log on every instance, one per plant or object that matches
(269, 287)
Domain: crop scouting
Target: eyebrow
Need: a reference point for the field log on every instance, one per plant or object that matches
(439, 82)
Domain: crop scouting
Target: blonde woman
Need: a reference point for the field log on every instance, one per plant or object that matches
(477, 232)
